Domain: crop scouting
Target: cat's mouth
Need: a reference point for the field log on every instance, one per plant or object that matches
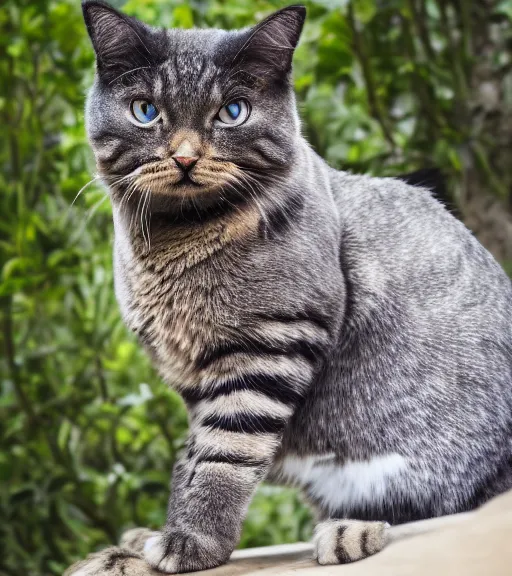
(188, 180)
(163, 177)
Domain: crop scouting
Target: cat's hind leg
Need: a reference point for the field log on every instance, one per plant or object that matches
(344, 541)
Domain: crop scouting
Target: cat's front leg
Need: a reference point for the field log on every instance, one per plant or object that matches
(237, 425)
(344, 541)
(205, 513)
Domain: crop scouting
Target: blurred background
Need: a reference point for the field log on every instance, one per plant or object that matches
(88, 433)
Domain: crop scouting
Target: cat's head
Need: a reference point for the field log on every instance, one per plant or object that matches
(191, 115)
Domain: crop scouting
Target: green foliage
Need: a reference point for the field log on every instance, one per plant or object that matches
(88, 433)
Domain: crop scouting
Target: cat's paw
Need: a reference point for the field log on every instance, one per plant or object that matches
(343, 541)
(176, 551)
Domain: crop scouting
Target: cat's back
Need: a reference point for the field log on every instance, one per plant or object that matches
(399, 237)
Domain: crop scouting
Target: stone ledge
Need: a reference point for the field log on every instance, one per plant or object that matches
(474, 544)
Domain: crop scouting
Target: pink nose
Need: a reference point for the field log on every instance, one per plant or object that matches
(185, 162)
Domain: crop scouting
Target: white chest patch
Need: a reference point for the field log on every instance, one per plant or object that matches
(336, 485)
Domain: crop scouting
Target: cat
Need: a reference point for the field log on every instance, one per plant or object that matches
(343, 334)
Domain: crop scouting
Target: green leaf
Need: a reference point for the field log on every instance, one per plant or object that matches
(365, 10)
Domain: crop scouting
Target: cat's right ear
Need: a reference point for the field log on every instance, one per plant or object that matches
(121, 43)
(267, 49)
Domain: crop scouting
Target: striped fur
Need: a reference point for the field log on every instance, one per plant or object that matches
(242, 378)
(345, 541)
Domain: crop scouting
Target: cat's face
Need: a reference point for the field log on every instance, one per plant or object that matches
(191, 115)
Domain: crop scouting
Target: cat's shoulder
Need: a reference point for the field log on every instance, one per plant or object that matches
(391, 216)
(386, 194)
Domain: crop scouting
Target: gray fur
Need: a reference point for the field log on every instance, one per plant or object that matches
(305, 314)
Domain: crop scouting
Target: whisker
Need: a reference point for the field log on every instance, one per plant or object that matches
(129, 192)
(276, 200)
(148, 219)
(224, 199)
(142, 230)
(119, 179)
(256, 177)
(145, 221)
(195, 206)
(83, 188)
(135, 215)
(89, 214)
(242, 180)
(68, 213)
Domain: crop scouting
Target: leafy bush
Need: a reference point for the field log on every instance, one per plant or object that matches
(88, 433)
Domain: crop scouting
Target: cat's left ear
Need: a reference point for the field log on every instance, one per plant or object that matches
(268, 48)
(121, 43)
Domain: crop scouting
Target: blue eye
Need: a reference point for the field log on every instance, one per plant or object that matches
(233, 110)
(144, 111)
(233, 114)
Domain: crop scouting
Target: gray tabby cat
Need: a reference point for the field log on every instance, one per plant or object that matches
(344, 334)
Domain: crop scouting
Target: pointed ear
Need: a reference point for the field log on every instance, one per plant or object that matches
(268, 48)
(121, 43)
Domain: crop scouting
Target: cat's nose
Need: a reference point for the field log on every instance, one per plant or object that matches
(185, 162)
(185, 156)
